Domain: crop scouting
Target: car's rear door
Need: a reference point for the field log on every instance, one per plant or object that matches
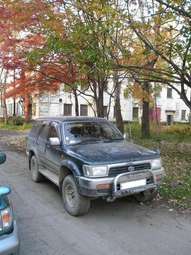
(53, 153)
(41, 144)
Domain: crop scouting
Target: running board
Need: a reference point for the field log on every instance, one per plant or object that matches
(49, 175)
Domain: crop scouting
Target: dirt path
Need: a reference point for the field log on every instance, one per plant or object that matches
(14, 140)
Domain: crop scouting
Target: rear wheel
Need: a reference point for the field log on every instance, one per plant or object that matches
(74, 203)
(146, 196)
(34, 167)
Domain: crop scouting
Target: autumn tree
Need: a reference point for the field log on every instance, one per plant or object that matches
(90, 39)
(23, 34)
(137, 57)
(84, 39)
(173, 49)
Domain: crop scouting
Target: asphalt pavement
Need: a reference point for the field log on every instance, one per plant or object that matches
(124, 227)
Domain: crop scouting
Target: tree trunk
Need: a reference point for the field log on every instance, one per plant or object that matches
(14, 106)
(27, 108)
(14, 99)
(100, 102)
(5, 115)
(145, 115)
(76, 102)
(118, 115)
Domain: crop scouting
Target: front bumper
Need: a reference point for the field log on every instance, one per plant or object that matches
(9, 244)
(89, 187)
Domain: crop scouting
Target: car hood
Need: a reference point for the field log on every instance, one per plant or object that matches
(111, 152)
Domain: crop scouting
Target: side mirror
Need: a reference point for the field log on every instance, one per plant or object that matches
(54, 141)
(2, 157)
(126, 136)
(4, 191)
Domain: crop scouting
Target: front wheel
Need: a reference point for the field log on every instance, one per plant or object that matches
(146, 196)
(74, 203)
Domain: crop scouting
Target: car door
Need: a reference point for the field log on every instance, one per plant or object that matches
(41, 144)
(53, 153)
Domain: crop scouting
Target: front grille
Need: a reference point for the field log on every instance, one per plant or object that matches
(114, 171)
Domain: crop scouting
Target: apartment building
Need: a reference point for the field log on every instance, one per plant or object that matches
(167, 108)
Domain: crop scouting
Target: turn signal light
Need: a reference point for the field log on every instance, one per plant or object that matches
(103, 186)
(158, 177)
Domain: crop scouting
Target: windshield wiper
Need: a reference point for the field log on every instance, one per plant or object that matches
(118, 139)
(112, 139)
(88, 140)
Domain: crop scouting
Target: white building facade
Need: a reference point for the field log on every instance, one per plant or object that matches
(168, 107)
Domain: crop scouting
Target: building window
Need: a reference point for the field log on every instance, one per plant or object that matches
(67, 109)
(135, 113)
(170, 119)
(169, 92)
(105, 111)
(183, 115)
(83, 110)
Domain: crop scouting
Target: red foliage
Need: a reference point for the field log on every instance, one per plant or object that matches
(47, 78)
(21, 32)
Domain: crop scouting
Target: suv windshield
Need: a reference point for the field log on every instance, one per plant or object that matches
(79, 132)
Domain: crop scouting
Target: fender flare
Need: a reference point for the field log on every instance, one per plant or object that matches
(72, 167)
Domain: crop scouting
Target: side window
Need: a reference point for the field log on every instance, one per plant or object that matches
(35, 129)
(53, 132)
(169, 92)
(43, 134)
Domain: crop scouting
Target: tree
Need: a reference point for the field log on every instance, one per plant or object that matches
(23, 33)
(139, 58)
(173, 49)
(90, 39)
(118, 115)
(84, 39)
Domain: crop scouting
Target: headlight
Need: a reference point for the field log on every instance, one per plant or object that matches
(6, 219)
(95, 171)
(156, 164)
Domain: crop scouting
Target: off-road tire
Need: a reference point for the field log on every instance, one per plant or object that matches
(34, 167)
(74, 203)
(146, 196)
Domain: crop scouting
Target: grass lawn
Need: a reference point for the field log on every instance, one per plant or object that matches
(23, 127)
(175, 145)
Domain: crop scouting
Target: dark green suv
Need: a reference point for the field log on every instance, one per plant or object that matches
(88, 158)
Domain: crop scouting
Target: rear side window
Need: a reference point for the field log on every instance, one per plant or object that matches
(53, 132)
(35, 129)
(43, 134)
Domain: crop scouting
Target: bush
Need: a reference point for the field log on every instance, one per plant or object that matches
(178, 129)
(133, 129)
(16, 120)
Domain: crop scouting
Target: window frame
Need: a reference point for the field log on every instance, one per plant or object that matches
(86, 106)
(44, 125)
(169, 95)
(137, 118)
(183, 111)
(70, 109)
(105, 111)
